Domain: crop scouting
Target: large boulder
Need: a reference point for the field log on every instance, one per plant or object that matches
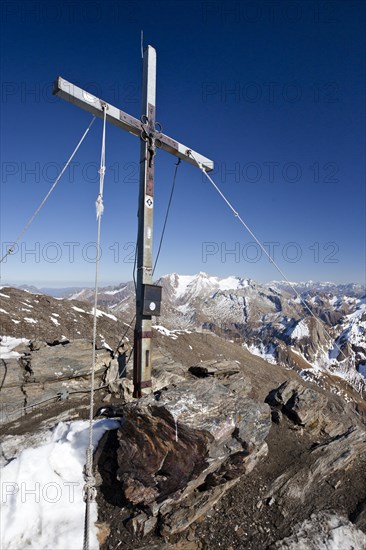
(306, 406)
(178, 451)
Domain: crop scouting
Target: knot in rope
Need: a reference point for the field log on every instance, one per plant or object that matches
(89, 489)
(99, 206)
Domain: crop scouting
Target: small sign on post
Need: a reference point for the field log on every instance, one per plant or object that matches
(151, 304)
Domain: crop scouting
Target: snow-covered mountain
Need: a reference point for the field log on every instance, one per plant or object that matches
(108, 296)
(316, 328)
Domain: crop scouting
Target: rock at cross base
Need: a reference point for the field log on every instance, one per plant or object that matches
(189, 446)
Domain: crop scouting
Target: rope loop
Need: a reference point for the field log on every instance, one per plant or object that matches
(90, 491)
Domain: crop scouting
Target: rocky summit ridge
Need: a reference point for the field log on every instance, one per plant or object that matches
(233, 449)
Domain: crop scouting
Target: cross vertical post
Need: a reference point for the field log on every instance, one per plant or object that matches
(143, 326)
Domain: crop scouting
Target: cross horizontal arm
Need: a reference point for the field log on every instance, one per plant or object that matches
(79, 97)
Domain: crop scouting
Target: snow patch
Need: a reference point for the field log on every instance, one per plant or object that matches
(113, 292)
(184, 308)
(266, 352)
(300, 331)
(232, 283)
(78, 309)
(76, 295)
(165, 331)
(104, 343)
(99, 313)
(42, 505)
(7, 344)
(102, 313)
(183, 282)
(324, 531)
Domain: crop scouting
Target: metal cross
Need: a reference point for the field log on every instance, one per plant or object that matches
(151, 138)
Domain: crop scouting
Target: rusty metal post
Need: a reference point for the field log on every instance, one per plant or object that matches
(143, 329)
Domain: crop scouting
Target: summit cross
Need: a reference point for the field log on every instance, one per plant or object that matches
(148, 296)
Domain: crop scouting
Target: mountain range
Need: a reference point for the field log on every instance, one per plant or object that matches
(319, 329)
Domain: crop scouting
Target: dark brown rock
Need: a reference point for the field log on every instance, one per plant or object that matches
(177, 456)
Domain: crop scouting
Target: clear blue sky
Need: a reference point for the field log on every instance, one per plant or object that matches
(272, 91)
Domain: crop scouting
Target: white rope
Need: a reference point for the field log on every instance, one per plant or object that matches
(89, 487)
(99, 203)
(31, 219)
(200, 166)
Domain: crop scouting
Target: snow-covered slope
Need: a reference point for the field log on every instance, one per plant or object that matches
(42, 488)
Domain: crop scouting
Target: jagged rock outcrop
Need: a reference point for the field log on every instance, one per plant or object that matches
(304, 405)
(176, 456)
(203, 447)
(47, 373)
(326, 461)
(308, 407)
